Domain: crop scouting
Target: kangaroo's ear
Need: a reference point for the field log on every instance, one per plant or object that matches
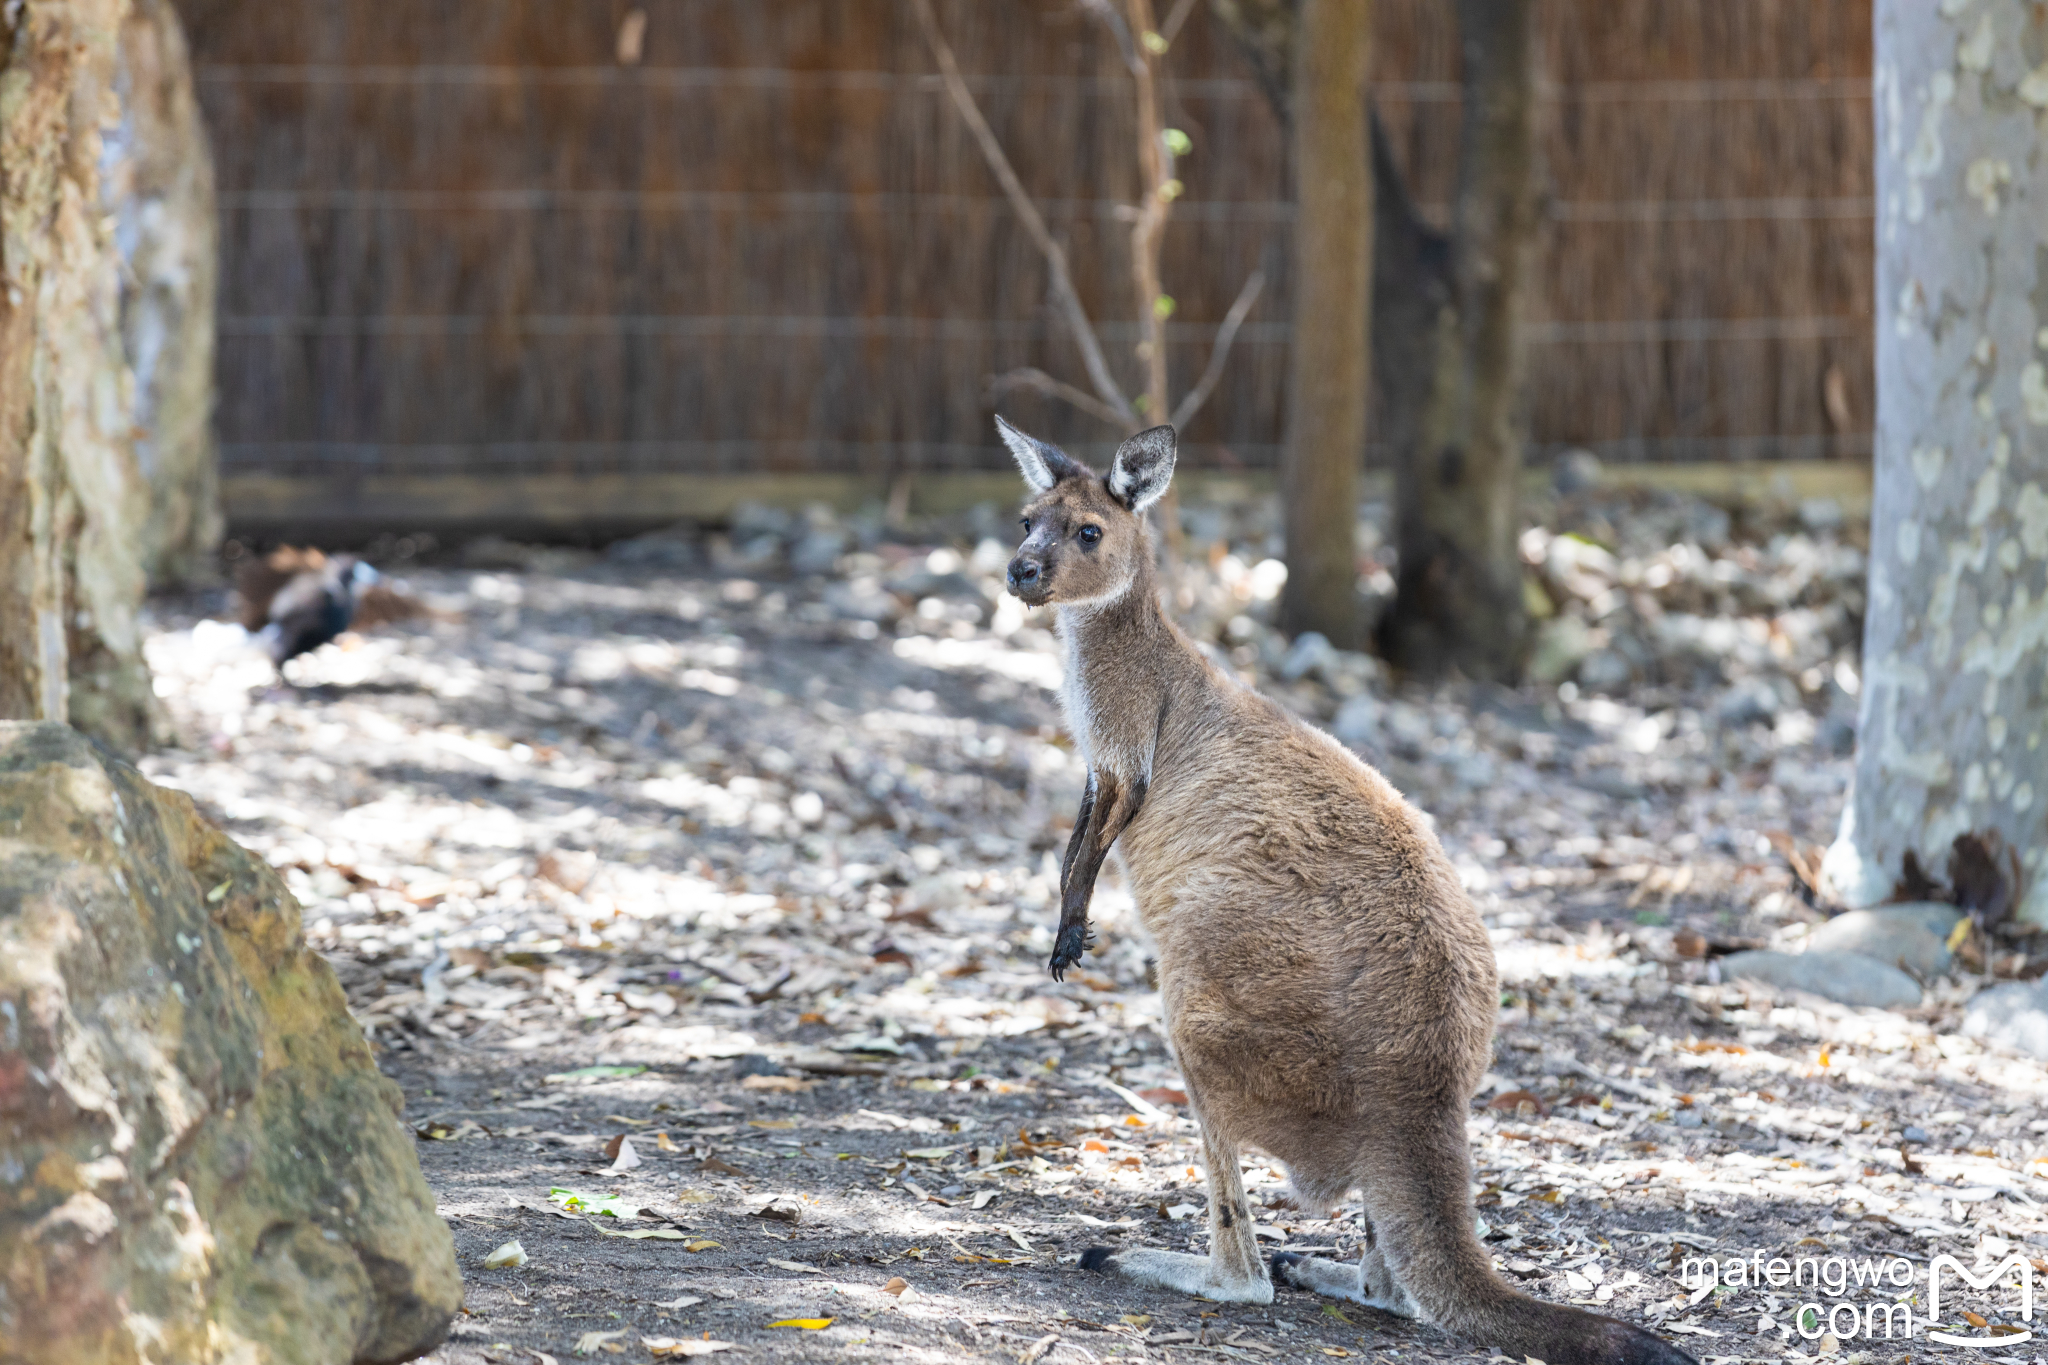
(1041, 463)
(1143, 468)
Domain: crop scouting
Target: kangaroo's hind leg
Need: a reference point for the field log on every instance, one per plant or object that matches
(1232, 1272)
(1370, 1282)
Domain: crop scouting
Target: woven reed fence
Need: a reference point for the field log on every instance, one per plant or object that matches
(461, 236)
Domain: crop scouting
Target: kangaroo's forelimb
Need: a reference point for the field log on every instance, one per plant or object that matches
(1107, 806)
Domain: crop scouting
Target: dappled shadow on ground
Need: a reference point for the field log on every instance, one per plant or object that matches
(781, 850)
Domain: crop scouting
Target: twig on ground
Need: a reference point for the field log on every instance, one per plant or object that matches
(1147, 1110)
(1641, 1092)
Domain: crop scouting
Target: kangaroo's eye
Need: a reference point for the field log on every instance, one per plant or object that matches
(1026, 524)
(1090, 534)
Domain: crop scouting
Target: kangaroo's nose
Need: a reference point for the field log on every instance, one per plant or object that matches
(1023, 573)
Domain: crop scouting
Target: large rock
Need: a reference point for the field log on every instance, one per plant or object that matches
(1913, 936)
(2014, 1016)
(199, 1162)
(1845, 978)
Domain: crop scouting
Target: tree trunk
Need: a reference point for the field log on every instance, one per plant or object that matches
(1458, 602)
(158, 182)
(1955, 656)
(72, 500)
(1415, 357)
(1331, 376)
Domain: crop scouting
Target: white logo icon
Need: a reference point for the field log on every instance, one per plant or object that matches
(1986, 1281)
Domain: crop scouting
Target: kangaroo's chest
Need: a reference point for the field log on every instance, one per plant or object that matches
(1112, 726)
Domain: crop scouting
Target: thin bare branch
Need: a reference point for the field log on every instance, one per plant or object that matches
(1031, 378)
(1170, 30)
(1125, 44)
(1069, 301)
(1219, 351)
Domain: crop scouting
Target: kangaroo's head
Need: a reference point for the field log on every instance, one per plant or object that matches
(1084, 533)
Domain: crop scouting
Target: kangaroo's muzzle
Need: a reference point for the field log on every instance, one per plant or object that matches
(1028, 580)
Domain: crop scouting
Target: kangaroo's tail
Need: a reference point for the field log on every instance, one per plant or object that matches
(1418, 1196)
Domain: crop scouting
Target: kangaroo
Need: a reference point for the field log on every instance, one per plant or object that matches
(1330, 991)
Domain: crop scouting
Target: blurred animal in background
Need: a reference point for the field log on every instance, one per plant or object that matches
(296, 600)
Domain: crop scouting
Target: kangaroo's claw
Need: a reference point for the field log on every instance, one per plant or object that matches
(1073, 941)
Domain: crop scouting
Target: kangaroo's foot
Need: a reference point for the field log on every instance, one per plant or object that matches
(1371, 1282)
(1073, 940)
(1178, 1270)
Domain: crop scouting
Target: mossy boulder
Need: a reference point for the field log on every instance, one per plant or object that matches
(199, 1161)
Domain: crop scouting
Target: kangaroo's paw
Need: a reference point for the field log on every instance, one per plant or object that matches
(1334, 1279)
(1179, 1270)
(1073, 941)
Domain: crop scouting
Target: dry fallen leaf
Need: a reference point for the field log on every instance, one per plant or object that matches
(589, 1342)
(662, 1142)
(509, 1254)
(897, 1284)
(624, 1158)
(982, 1198)
(808, 1324)
(798, 1266)
(702, 1244)
(785, 1084)
(682, 1347)
(642, 1234)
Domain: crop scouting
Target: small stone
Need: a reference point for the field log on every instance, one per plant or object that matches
(1358, 721)
(1561, 643)
(1750, 701)
(1577, 470)
(1912, 1134)
(1913, 936)
(1311, 650)
(2013, 1016)
(1846, 978)
(1606, 671)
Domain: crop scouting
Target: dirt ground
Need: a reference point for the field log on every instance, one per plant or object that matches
(753, 868)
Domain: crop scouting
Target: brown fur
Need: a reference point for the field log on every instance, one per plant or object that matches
(1330, 991)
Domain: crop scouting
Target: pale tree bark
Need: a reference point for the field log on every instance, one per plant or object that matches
(158, 182)
(72, 500)
(1458, 602)
(1953, 738)
(1331, 379)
